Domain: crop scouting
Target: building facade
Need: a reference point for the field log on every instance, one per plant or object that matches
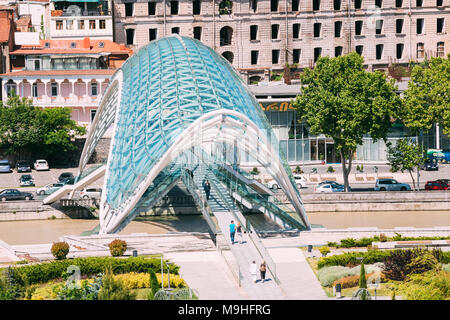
(64, 73)
(258, 36)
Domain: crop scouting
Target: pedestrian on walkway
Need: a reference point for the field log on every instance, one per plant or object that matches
(232, 231)
(239, 232)
(207, 188)
(253, 269)
(262, 271)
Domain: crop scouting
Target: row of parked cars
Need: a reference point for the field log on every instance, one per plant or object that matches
(24, 166)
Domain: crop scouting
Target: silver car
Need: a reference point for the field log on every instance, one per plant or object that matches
(391, 185)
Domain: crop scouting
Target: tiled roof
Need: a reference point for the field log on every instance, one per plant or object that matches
(31, 73)
(86, 46)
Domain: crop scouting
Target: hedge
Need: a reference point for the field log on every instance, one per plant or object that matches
(44, 272)
(371, 256)
(365, 242)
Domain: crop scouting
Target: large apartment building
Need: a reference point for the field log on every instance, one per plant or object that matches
(257, 36)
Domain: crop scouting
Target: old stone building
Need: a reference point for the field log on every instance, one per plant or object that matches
(259, 36)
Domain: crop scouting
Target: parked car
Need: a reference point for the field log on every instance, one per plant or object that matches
(430, 164)
(335, 183)
(300, 181)
(65, 175)
(5, 166)
(23, 166)
(50, 188)
(329, 187)
(26, 180)
(14, 194)
(68, 181)
(447, 181)
(446, 153)
(390, 185)
(40, 165)
(437, 185)
(91, 193)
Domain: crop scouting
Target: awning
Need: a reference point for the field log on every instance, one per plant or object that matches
(75, 0)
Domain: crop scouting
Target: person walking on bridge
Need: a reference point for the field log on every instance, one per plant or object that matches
(207, 188)
(232, 231)
(253, 270)
(262, 271)
(239, 232)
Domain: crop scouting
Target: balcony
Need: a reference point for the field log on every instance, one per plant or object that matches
(80, 13)
(71, 101)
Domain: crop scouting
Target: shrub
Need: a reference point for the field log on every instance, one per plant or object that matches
(328, 275)
(324, 251)
(332, 244)
(330, 169)
(114, 289)
(383, 238)
(395, 265)
(154, 285)
(117, 247)
(422, 263)
(60, 250)
(446, 267)
(426, 286)
(362, 277)
(134, 280)
(353, 281)
(44, 272)
(350, 258)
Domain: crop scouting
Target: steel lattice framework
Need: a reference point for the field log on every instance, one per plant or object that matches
(173, 94)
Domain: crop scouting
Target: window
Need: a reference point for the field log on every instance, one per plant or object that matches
(378, 3)
(439, 3)
(420, 50)
(173, 7)
(253, 32)
(378, 26)
(440, 49)
(69, 24)
(379, 51)
(80, 24)
(102, 24)
(11, 89)
(273, 5)
(398, 26)
(91, 24)
(400, 47)
(337, 4)
(317, 53)
(296, 30)
(419, 3)
(93, 113)
(398, 3)
(73, 45)
(358, 4)
(317, 27)
(253, 5)
(337, 29)
(358, 27)
(295, 4)
(176, 30)
(94, 89)
(316, 5)
(439, 25)
(229, 56)
(275, 29)
(152, 34)
(197, 33)
(128, 9)
(59, 25)
(296, 55)
(226, 35)
(338, 51)
(196, 7)
(47, 45)
(275, 56)
(419, 26)
(34, 90)
(54, 89)
(101, 44)
(254, 56)
(130, 36)
(152, 8)
(37, 64)
(359, 50)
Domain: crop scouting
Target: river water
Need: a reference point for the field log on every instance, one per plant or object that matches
(47, 231)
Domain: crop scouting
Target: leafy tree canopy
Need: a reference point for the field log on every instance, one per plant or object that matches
(343, 101)
(427, 99)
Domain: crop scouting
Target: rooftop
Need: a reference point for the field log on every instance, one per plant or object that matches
(57, 73)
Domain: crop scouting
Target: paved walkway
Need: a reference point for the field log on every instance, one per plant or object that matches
(7, 253)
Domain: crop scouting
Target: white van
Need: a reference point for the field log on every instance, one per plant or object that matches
(91, 193)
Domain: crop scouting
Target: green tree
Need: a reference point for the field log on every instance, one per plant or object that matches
(154, 285)
(427, 99)
(25, 129)
(113, 289)
(343, 101)
(405, 156)
(362, 277)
